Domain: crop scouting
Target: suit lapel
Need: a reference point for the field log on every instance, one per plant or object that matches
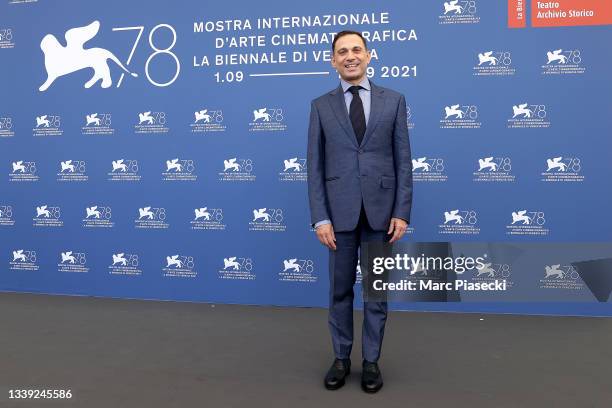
(377, 106)
(336, 99)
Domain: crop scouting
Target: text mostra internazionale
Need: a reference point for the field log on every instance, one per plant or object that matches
(263, 23)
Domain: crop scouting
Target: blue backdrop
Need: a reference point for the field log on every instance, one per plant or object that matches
(188, 181)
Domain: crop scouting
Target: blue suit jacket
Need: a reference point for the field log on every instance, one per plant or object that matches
(342, 174)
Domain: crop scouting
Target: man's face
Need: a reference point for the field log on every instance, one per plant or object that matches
(350, 57)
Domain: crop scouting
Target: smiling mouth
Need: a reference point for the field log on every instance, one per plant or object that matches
(349, 66)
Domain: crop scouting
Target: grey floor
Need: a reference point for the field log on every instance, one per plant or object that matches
(132, 353)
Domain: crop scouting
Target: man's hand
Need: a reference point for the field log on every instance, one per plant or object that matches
(397, 227)
(325, 233)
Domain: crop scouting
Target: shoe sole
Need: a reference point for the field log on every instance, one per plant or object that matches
(371, 391)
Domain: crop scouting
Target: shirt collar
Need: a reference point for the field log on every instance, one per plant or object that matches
(365, 83)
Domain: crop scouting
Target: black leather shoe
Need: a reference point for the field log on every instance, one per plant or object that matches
(371, 379)
(339, 370)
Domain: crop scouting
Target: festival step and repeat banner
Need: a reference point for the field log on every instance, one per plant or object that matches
(157, 150)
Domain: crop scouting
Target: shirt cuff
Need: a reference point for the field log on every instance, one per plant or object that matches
(323, 222)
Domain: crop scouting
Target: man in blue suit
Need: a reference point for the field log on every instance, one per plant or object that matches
(360, 189)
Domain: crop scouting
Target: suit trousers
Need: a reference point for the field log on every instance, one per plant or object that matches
(342, 275)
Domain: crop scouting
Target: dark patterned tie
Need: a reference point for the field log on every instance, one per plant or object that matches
(356, 114)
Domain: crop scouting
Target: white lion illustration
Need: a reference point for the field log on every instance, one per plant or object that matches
(60, 60)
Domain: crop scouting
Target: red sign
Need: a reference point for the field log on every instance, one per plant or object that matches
(517, 13)
(570, 13)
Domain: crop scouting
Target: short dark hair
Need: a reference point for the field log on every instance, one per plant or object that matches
(347, 32)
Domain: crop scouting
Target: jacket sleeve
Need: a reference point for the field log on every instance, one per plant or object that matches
(315, 163)
(403, 164)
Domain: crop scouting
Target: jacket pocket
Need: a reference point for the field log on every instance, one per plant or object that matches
(387, 182)
(332, 178)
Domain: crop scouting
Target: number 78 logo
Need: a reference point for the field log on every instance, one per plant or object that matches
(156, 51)
(63, 60)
